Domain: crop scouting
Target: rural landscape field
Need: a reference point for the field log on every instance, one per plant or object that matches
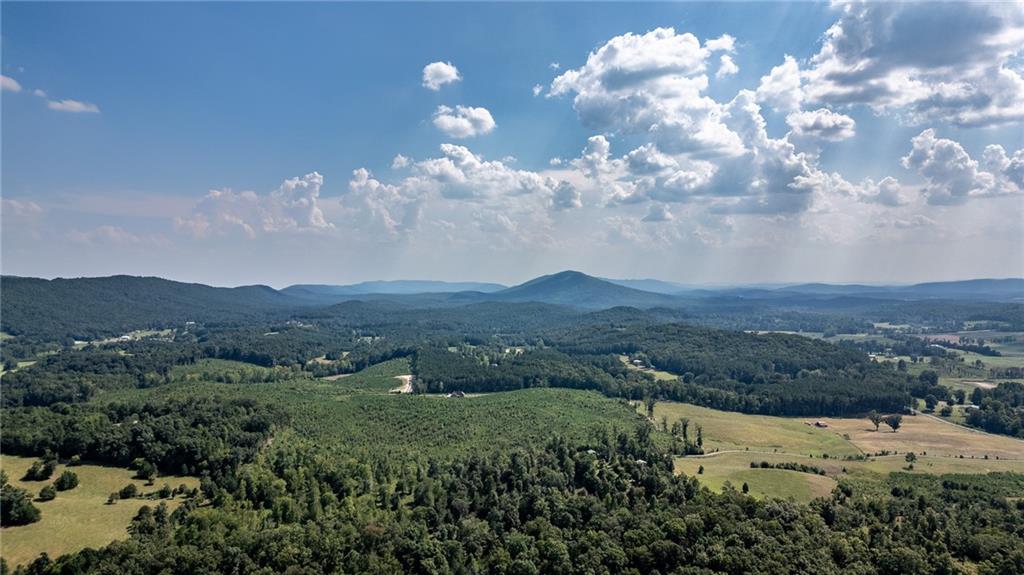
(512, 288)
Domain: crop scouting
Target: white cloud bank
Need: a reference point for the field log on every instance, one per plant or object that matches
(953, 176)
(954, 63)
(294, 206)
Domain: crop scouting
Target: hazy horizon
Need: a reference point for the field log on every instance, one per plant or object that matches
(682, 283)
(342, 142)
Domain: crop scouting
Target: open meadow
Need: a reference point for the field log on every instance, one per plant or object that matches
(734, 440)
(80, 517)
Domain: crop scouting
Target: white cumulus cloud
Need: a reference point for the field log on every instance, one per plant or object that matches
(437, 74)
(823, 124)
(954, 177)
(292, 207)
(653, 84)
(726, 67)
(8, 84)
(463, 121)
(921, 62)
(781, 89)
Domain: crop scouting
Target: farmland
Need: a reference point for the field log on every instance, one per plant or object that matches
(734, 440)
(81, 516)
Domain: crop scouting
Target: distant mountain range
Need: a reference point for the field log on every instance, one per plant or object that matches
(997, 289)
(393, 287)
(581, 290)
(87, 307)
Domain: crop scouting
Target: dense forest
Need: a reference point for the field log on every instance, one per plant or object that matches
(774, 374)
(999, 410)
(191, 436)
(612, 505)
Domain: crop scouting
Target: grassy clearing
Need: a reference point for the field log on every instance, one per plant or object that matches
(734, 440)
(725, 430)
(930, 435)
(78, 518)
(735, 469)
(376, 378)
(991, 361)
(658, 374)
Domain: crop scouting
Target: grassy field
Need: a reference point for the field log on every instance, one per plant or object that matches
(735, 469)
(658, 374)
(725, 430)
(78, 518)
(991, 361)
(734, 440)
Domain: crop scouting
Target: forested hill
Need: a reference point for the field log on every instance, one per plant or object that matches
(580, 290)
(89, 308)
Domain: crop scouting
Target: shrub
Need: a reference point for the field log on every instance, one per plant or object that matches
(16, 506)
(40, 470)
(47, 493)
(67, 480)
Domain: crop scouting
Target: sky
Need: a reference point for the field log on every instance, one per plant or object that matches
(281, 143)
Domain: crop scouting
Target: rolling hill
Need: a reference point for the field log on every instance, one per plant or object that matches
(88, 308)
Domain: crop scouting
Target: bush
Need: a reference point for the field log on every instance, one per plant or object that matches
(47, 493)
(67, 480)
(40, 470)
(16, 506)
(128, 491)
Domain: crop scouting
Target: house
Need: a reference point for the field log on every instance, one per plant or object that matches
(456, 394)
(820, 423)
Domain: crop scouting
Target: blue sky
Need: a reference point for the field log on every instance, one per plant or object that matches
(150, 107)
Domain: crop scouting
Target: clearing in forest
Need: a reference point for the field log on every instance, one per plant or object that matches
(80, 517)
(406, 386)
(734, 440)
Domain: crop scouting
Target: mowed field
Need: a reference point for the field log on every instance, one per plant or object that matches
(725, 430)
(80, 517)
(734, 440)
